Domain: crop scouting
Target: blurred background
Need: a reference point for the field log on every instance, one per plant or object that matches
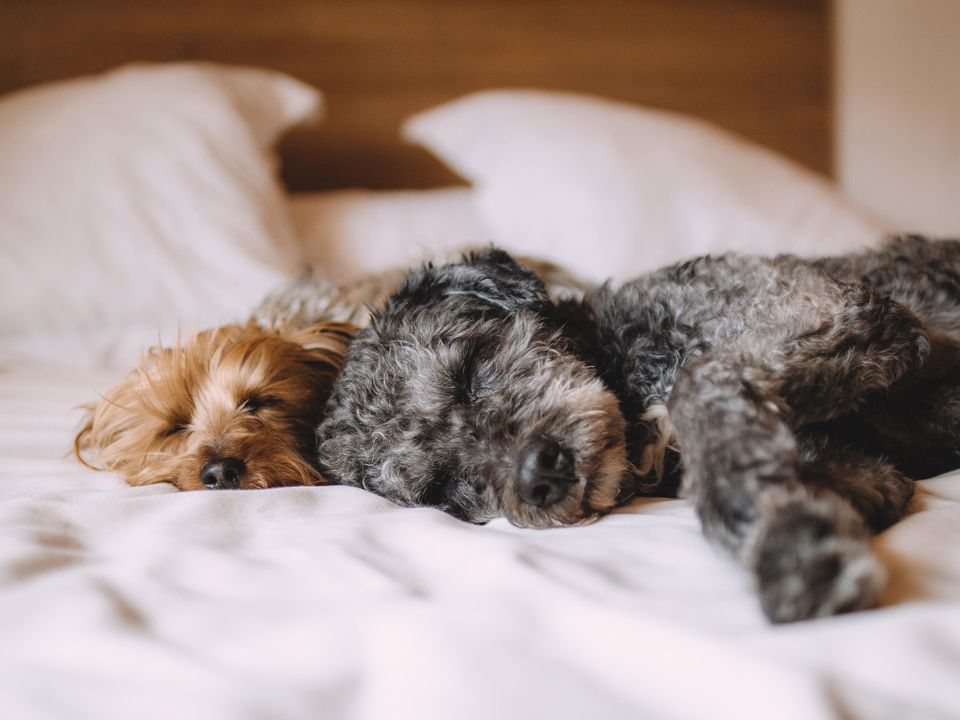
(897, 120)
(865, 90)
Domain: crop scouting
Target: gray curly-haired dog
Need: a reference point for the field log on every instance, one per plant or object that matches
(791, 400)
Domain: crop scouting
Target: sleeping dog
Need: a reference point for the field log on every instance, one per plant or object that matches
(792, 401)
(236, 406)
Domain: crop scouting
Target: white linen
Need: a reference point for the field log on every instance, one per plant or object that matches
(613, 190)
(140, 199)
(329, 602)
(348, 233)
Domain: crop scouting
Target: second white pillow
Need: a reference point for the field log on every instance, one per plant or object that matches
(612, 189)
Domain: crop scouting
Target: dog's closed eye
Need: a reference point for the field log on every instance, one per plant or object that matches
(175, 429)
(255, 403)
(473, 374)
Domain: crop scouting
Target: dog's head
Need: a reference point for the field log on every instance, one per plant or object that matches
(464, 394)
(233, 407)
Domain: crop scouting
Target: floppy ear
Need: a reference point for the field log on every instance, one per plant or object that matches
(110, 428)
(325, 342)
(493, 276)
(490, 276)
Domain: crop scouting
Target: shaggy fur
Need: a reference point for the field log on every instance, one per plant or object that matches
(232, 407)
(801, 396)
(236, 406)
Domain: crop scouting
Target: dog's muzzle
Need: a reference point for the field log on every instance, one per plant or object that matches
(545, 473)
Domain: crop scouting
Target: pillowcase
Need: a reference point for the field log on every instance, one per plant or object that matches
(349, 233)
(613, 190)
(140, 200)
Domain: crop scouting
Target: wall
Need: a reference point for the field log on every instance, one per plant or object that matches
(758, 67)
(898, 110)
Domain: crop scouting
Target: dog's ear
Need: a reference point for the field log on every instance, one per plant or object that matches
(110, 427)
(501, 281)
(325, 342)
(489, 276)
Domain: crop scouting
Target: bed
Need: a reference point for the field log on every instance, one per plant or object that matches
(145, 201)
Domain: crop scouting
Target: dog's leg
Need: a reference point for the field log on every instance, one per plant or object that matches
(874, 488)
(735, 412)
(858, 342)
(809, 550)
(809, 555)
(916, 423)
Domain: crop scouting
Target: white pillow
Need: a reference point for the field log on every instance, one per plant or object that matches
(139, 200)
(612, 189)
(349, 233)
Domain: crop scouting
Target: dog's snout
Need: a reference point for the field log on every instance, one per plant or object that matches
(222, 473)
(545, 474)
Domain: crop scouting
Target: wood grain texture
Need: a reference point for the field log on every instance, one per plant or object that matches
(758, 67)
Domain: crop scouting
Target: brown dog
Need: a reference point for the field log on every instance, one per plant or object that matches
(232, 407)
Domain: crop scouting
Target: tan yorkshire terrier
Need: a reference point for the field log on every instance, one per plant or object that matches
(238, 406)
(232, 407)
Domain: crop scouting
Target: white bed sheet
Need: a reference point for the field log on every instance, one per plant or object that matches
(331, 603)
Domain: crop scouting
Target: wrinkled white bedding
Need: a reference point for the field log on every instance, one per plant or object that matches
(331, 603)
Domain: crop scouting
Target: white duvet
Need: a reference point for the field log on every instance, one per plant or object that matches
(331, 603)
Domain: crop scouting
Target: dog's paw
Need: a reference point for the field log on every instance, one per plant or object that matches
(815, 562)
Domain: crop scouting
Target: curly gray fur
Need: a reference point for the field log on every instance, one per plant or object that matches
(800, 395)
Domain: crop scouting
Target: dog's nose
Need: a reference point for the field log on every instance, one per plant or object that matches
(222, 473)
(546, 473)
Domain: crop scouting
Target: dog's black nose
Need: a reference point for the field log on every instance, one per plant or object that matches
(546, 473)
(222, 473)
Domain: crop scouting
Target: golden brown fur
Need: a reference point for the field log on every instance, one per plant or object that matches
(238, 392)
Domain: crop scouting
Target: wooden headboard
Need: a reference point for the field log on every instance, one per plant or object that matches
(759, 67)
